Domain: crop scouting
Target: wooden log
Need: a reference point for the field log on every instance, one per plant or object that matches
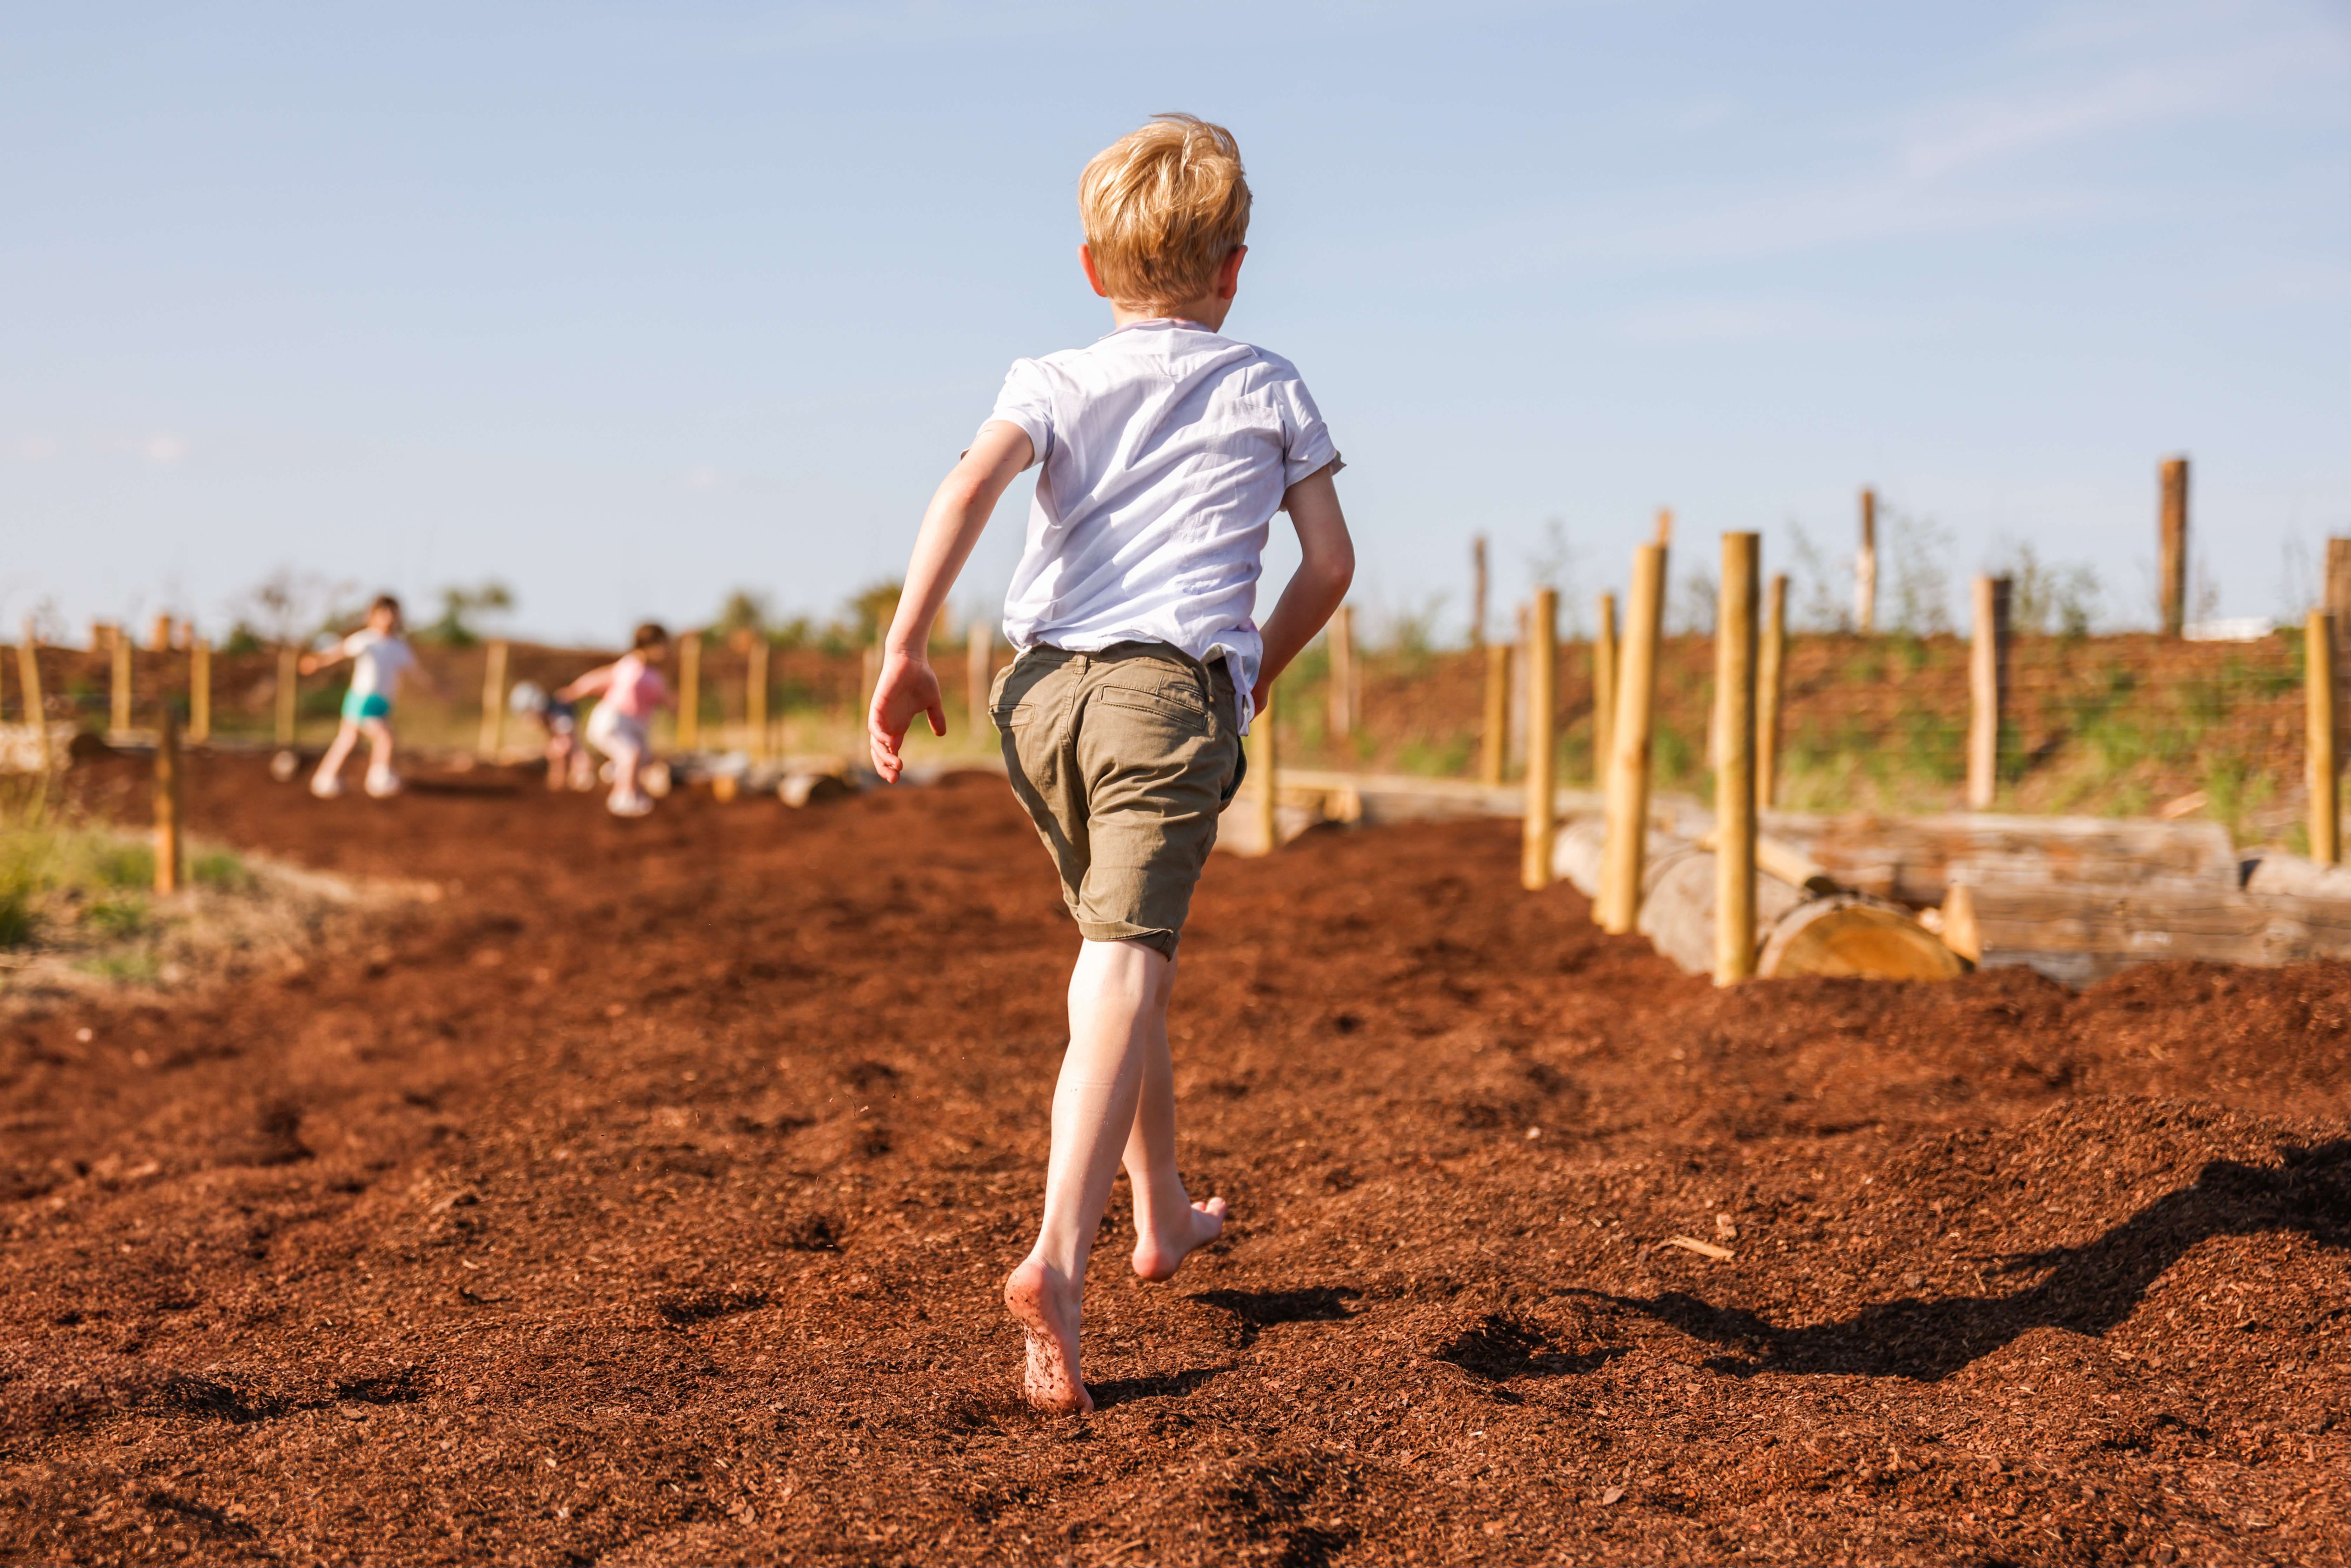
(1852, 935)
(2298, 876)
(289, 687)
(1680, 906)
(1917, 861)
(118, 716)
(159, 634)
(1342, 642)
(1494, 743)
(494, 701)
(1543, 746)
(1865, 569)
(1987, 667)
(757, 658)
(689, 692)
(1603, 686)
(2082, 934)
(2319, 762)
(2172, 569)
(978, 671)
(170, 860)
(1734, 775)
(199, 690)
(2337, 599)
(1628, 751)
(1770, 685)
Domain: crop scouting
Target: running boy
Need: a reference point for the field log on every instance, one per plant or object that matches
(380, 656)
(1168, 448)
(632, 690)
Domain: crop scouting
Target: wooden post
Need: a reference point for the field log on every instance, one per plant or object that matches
(170, 862)
(1478, 591)
(979, 672)
(290, 679)
(1604, 688)
(2172, 574)
(494, 701)
(119, 719)
(1495, 742)
(1628, 743)
(1734, 775)
(754, 694)
(1865, 569)
(1986, 656)
(1262, 765)
(1770, 681)
(2337, 600)
(28, 691)
(1515, 730)
(1342, 671)
(689, 692)
(159, 634)
(1543, 746)
(2319, 758)
(199, 690)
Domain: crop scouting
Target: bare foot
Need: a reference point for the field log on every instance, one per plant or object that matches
(1159, 1253)
(1046, 1307)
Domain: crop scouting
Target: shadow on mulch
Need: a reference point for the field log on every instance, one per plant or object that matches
(2089, 1290)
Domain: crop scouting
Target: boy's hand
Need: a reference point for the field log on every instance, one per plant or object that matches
(908, 686)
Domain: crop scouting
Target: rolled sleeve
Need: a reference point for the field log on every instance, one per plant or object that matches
(1308, 448)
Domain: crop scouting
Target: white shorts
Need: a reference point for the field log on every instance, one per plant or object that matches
(609, 731)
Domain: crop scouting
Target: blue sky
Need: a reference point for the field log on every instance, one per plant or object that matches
(628, 305)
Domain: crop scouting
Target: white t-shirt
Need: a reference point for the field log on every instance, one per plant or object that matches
(1166, 451)
(377, 662)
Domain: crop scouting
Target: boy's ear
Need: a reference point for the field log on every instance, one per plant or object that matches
(1229, 272)
(1086, 260)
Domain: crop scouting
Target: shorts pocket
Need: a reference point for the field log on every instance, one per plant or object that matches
(1170, 702)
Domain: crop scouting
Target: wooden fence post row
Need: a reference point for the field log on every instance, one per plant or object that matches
(689, 692)
(1542, 751)
(1628, 747)
(1734, 773)
(2173, 569)
(978, 671)
(170, 860)
(494, 701)
(1770, 680)
(1494, 743)
(290, 677)
(1342, 671)
(1987, 661)
(2320, 762)
(200, 689)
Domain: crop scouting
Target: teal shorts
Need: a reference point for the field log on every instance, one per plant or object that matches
(360, 707)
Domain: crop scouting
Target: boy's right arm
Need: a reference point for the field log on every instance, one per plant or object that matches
(958, 511)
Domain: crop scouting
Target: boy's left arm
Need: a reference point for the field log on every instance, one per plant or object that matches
(958, 513)
(1326, 567)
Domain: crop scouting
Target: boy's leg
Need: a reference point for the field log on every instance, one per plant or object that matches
(329, 766)
(1168, 1226)
(1117, 1000)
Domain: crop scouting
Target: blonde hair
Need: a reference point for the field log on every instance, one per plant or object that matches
(1162, 207)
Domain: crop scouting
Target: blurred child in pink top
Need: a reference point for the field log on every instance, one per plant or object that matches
(628, 691)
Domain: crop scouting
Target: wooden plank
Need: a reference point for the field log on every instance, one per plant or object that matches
(2083, 935)
(1915, 860)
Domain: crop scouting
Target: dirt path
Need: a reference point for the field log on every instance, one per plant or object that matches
(645, 1200)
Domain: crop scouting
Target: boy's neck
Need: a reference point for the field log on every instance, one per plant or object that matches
(1208, 313)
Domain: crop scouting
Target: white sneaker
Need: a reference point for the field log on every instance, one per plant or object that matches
(325, 786)
(383, 784)
(634, 806)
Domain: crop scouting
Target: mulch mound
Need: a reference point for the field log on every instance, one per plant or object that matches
(645, 1200)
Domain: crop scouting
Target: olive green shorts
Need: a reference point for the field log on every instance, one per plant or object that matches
(1124, 759)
